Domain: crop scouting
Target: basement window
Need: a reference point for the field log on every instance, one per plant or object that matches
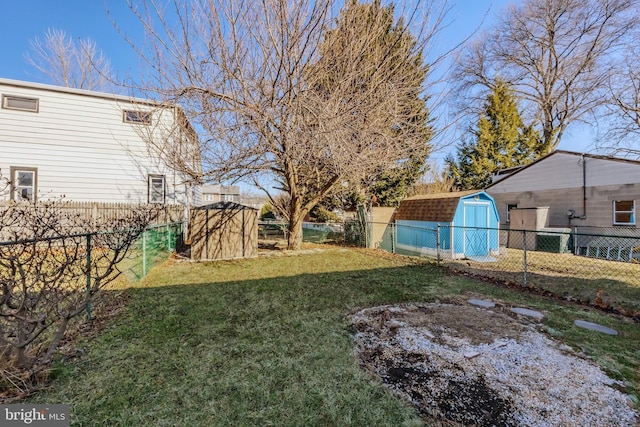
(137, 117)
(11, 102)
(624, 212)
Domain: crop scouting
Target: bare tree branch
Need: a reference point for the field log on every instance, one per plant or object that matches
(273, 87)
(555, 54)
(52, 265)
(68, 63)
(622, 136)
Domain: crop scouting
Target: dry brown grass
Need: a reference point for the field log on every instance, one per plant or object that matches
(606, 284)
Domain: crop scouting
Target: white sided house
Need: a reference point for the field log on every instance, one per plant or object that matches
(86, 146)
(570, 189)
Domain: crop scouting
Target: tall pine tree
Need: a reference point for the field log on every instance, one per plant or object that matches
(395, 43)
(500, 140)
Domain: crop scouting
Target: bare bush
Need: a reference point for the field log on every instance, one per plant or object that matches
(52, 265)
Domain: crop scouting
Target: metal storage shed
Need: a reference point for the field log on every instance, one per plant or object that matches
(467, 222)
(224, 230)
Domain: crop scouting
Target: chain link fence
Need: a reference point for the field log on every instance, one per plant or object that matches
(312, 232)
(154, 246)
(596, 266)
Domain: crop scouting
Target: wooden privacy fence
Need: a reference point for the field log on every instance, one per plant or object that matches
(102, 213)
(223, 230)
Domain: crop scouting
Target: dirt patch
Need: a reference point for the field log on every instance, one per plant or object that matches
(467, 365)
(458, 321)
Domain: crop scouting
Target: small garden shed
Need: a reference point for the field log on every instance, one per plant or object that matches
(468, 223)
(224, 230)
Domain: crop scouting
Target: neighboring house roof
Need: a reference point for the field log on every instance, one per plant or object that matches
(518, 169)
(84, 92)
(440, 207)
(220, 189)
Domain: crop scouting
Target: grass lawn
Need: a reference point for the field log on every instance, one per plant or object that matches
(265, 342)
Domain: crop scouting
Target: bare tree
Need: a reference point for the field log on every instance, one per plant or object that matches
(623, 133)
(435, 180)
(253, 77)
(52, 265)
(78, 64)
(554, 54)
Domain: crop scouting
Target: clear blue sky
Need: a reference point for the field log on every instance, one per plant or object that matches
(23, 20)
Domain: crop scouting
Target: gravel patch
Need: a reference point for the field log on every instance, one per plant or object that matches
(479, 367)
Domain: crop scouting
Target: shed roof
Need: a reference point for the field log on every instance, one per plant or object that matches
(440, 207)
(224, 206)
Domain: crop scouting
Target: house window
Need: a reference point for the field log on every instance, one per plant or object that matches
(509, 207)
(156, 189)
(21, 103)
(624, 212)
(229, 198)
(24, 184)
(137, 117)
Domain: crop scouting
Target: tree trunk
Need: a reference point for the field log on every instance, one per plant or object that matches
(294, 240)
(296, 216)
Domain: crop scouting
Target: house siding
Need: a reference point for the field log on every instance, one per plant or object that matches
(557, 182)
(561, 171)
(82, 148)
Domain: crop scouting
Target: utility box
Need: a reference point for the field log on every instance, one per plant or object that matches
(523, 223)
(556, 240)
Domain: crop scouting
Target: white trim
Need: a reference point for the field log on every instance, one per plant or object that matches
(7, 97)
(430, 252)
(632, 212)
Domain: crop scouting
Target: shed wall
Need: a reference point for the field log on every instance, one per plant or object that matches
(423, 234)
(224, 234)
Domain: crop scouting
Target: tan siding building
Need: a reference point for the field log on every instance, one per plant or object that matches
(579, 190)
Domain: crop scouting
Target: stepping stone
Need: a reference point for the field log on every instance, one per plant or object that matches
(471, 354)
(481, 303)
(595, 327)
(527, 312)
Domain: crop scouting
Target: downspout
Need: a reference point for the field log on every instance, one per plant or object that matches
(584, 192)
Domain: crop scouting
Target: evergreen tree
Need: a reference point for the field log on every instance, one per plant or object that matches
(501, 140)
(389, 185)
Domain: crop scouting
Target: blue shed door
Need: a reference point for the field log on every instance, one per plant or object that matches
(476, 240)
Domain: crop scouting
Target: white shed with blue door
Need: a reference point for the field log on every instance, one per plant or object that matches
(460, 224)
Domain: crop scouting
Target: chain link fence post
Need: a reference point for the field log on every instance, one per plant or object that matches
(394, 237)
(438, 244)
(144, 253)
